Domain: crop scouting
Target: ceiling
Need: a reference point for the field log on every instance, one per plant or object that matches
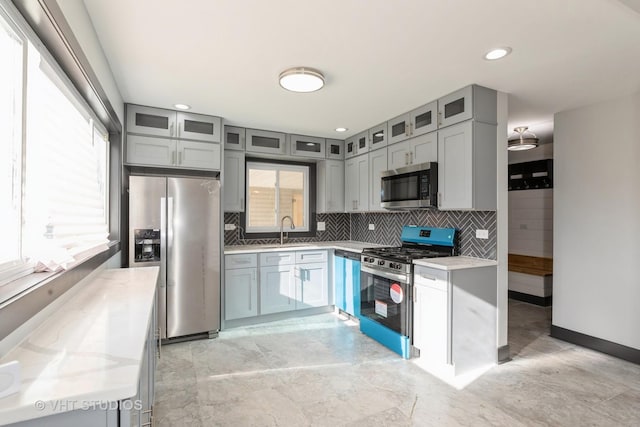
(380, 58)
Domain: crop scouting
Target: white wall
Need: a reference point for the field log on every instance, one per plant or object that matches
(76, 15)
(597, 220)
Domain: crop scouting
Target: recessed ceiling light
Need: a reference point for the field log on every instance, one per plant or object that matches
(182, 106)
(301, 79)
(341, 129)
(497, 53)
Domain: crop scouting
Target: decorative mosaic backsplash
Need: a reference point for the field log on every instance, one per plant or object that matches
(388, 227)
(337, 228)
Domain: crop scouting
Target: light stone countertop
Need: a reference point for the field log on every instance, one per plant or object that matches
(346, 245)
(88, 350)
(455, 262)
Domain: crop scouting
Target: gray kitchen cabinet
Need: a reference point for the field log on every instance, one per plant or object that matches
(198, 155)
(198, 127)
(414, 123)
(335, 149)
(357, 184)
(421, 149)
(307, 146)
(172, 153)
(234, 176)
(454, 323)
(312, 285)
(471, 102)
(356, 145)
(240, 293)
(378, 136)
(467, 166)
(266, 142)
(377, 165)
(149, 151)
(330, 186)
(151, 121)
(277, 288)
(173, 124)
(234, 138)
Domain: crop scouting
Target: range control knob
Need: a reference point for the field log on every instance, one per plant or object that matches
(381, 262)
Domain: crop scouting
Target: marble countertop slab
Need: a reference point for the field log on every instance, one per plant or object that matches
(347, 245)
(455, 262)
(88, 350)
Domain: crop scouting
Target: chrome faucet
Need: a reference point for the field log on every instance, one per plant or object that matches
(293, 227)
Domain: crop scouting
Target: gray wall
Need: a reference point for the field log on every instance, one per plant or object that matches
(597, 220)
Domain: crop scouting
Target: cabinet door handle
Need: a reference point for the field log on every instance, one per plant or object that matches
(410, 157)
(171, 129)
(439, 199)
(407, 132)
(173, 158)
(406, 159)
(179, 129)
(424, 276)
(179, 157)
(439, 118)
(159, 344)
(241, 203)
(411, 128)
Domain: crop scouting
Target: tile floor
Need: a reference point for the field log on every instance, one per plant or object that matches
(320, 371)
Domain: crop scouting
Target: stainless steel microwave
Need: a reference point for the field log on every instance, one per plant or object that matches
(410, 187)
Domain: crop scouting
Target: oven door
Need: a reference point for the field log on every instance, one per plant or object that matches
(386, 298)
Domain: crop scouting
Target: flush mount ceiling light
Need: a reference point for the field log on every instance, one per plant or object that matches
(301, 79)
(342, 129)
(497, 53)
(522, 140)
(182, 106)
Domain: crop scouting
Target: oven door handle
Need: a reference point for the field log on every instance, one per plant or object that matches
(387, 275)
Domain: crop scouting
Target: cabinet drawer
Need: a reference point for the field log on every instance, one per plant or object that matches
(277, 258)
(240, 261)
(311, 256)
(433, 278)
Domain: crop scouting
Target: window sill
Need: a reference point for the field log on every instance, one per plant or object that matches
(22, 298)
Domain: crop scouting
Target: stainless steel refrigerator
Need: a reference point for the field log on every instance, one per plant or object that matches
(174, 223)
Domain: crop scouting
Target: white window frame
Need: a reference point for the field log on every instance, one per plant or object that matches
(17, 269)
(306, 194)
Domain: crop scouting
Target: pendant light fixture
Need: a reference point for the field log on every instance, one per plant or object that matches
(301, 79)
(522, 140)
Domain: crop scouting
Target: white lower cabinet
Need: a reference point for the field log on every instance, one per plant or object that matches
(241, 293)
(454, 317)
(275, 282)
(277, 289)
(312, 285)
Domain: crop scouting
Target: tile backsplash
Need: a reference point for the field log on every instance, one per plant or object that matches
(388, 227)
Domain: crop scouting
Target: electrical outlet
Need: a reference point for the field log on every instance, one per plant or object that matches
(229, 227)
(372, 227)
(482, 234)
(321, 226)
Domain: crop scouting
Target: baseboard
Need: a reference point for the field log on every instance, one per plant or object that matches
(618, 350)
(531, 299)
(504, 354)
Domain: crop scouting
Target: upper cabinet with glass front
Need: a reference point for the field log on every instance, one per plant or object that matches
(307, 146)
(471, 102)
(262, 141)
(173, 124)
(378, 136)
(414, 123)
(335, 149)
(234, 138)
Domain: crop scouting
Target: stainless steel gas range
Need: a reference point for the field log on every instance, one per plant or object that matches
(386, 284)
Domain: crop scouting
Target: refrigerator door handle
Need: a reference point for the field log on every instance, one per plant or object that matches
(163, 235)
(171, 272)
